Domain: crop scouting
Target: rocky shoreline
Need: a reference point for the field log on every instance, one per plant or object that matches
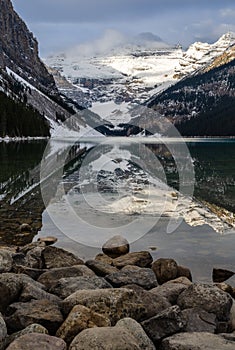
(120, 300)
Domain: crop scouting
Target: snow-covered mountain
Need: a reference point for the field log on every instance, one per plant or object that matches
(133, 71)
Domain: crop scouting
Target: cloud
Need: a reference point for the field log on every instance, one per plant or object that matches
(60, 24)
(110, 40)
(227, 13)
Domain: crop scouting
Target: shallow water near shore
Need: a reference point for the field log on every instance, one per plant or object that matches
(200, 248)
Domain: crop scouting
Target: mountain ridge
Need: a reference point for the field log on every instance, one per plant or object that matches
(135, 73)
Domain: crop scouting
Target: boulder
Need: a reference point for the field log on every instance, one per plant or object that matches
(226, 288)
(31, 291)
(143, 277)
(199, 320)
(207, 297)
(135, 329)
(221, 275)
(33, 328)
(26, 280)
(232, 317)
(50, 278)
(34, 258)
(172, 289)
(141, 259)
(19, 259)
(37, 341)
(56, 257)
(105, 338)
(3, 333)
(67, 286)
(183, 271)
(116, 246)
(169, 321)
(104, 258)
(197, 341)
(112, 303)
(6, 261)
(49, 240)
(165, 270)
(101, 268)
(152, 303)
(26, 248)
(25, 227)
(10, 288)
(43, 312)
(130, 268)
(80, 318)
(30, 271)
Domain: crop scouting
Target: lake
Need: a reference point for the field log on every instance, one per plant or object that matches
(98, 188)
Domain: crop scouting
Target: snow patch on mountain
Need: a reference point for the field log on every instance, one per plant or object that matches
(133, 72)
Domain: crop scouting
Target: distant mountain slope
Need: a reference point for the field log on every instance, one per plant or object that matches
(202, 104)
(135, 70)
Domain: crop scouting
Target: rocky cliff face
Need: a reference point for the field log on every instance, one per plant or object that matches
(19, 50)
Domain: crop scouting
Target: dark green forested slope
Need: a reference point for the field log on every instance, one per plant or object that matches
(203, 104)
(18, 119)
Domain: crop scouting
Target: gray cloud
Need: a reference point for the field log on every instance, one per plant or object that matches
(60, 24)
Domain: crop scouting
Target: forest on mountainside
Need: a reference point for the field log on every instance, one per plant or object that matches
(202, 104)
(17, 119)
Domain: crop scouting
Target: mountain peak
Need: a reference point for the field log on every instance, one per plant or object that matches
(148, 36)
(226, 39)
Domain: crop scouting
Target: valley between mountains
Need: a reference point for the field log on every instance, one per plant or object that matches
(193, 88)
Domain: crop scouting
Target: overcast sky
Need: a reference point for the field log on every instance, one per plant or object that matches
(62, 24)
